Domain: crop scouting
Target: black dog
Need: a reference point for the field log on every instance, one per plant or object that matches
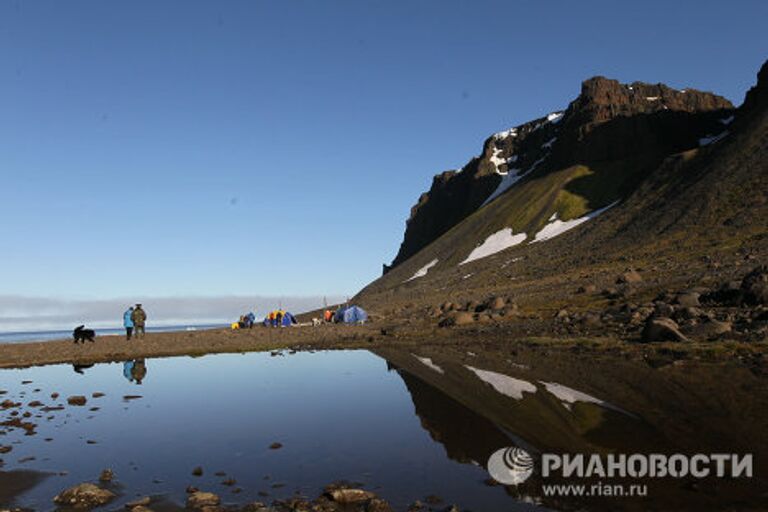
(81, 334)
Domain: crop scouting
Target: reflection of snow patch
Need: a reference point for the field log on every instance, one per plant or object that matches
(557, 227)
(504, 384)
(428, 363)
(728, 120)
(569, 396)
(423, 270)
(495, 243)
(711, 139)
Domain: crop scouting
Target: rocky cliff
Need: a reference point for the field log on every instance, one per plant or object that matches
(607, 122)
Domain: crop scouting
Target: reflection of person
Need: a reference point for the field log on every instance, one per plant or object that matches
(135, 371)
(128, 370)
(128, 322)
(139, 317)
(139, 370)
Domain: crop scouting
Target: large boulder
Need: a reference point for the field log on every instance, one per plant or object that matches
(201, 499)
(84, 496)
(496, 303)
(688, 300)
(78, 400)
(346, 496)
(755, 286)
(711, 329)
(662, 329)
(629, 277)
(457, 318)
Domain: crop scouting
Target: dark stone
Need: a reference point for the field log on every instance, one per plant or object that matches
(662, 329)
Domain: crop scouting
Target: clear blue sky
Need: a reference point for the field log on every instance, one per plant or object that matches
(219, 148)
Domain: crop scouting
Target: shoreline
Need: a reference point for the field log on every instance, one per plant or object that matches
(19, 337)
(115, 348)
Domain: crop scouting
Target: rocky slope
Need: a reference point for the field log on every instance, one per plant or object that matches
(671, 185)
(608, 122)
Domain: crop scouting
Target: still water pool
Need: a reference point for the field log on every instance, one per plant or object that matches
(407, 426)
(342, 415)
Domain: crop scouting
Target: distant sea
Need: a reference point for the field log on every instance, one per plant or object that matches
(20, 337)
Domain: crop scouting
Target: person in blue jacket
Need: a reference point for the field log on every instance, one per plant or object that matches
(128, 322)
(250, 319)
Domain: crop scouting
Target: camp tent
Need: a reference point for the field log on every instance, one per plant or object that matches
(288, 319)
(350, 315)
(271, 319)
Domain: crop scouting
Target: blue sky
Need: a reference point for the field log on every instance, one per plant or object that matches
(274, 148)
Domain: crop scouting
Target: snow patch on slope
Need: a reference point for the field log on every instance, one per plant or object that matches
(557, 227)
(497, 242)
(496, 160)
(512, 132)
(504, 384)
(509, 178)
(422, 271)
(537, 162)
(555, 117)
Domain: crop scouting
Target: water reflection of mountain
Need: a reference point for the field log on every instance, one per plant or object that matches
(472, 411)
(461, 405)
(466, 436)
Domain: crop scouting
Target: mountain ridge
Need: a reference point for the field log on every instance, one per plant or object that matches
(560, 138)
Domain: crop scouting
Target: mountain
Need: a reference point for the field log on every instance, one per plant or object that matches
(634, 191)
(619, 130)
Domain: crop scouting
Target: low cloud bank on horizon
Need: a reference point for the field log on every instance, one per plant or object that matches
(19, 313)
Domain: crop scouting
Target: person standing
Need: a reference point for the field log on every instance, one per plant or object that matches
(139, 318)
(128, 322)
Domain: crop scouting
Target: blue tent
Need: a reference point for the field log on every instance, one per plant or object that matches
(288, 319)
(350, 315)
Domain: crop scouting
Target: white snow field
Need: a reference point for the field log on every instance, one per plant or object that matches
(557, 227)
(423, 270)
(495, 243)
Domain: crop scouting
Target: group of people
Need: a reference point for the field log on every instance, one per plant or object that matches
(134, 320)
(275, 318)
